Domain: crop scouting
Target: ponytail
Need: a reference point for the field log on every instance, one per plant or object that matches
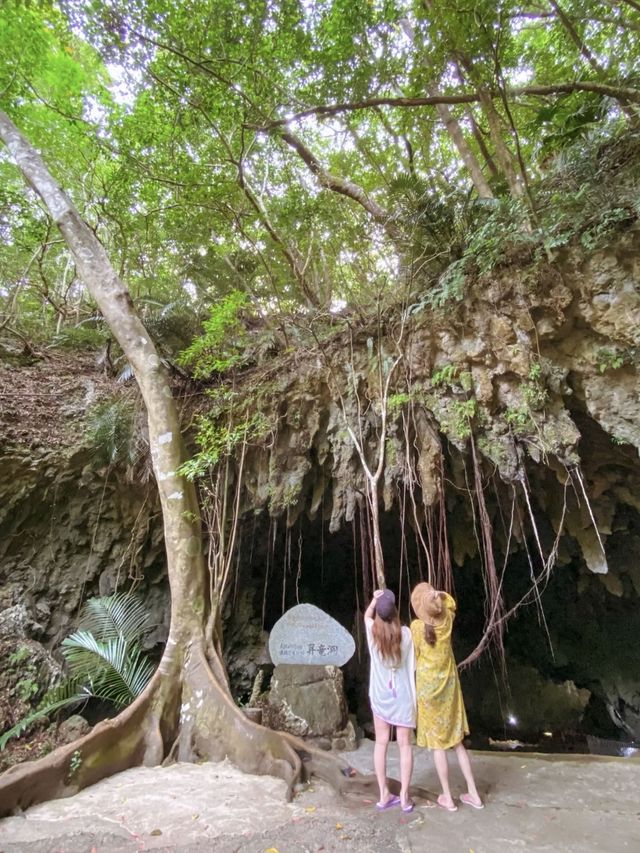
(429, 634)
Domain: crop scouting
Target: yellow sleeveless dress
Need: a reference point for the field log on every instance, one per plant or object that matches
(442, 719)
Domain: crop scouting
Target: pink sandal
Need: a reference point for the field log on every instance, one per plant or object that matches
(468, 801)
(452, 808)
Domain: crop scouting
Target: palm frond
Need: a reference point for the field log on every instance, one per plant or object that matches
(139, 672)
(104, 658)
(69, 690)
(110, 431)
(172, 325)
(125, 374)
(88, 657)
(118, 615)
(67, 694)
(114, 669)
(122, 686)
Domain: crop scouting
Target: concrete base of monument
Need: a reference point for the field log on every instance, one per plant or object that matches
(345, 740)
(309, 701)
(581, 804)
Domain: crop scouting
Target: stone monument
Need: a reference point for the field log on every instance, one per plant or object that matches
(308, 647)
(307, 635)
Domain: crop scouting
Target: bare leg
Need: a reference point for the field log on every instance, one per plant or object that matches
(406, 762)
(465, 765)
(442, 768)
(383, 730)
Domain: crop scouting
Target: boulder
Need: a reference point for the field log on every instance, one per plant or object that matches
(72, 728)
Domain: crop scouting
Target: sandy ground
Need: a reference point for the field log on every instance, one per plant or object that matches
(541, 803)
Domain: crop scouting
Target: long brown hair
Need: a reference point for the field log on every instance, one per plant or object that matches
(387, 637)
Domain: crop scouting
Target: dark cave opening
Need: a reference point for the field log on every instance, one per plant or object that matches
(570, 658)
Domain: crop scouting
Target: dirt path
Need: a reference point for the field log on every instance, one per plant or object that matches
(541, 803)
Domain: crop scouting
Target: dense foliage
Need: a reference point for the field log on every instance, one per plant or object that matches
(313, 156)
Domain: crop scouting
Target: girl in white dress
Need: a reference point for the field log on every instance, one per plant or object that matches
(392, 692)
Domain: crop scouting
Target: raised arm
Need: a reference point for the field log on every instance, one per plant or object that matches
(448, 601)
(370, 612)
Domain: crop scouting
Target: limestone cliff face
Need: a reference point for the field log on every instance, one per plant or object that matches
(540, 363)
(538, 367)
(68, 531)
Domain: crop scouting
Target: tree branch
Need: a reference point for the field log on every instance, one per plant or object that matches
(616, 92)
(341, 185)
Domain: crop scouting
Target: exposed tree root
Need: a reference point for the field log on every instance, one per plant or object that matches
(185, 714)
(342, 778)
(132, 738)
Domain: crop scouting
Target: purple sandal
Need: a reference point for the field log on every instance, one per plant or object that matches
(391, 802)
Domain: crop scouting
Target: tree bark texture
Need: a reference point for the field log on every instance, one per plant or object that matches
(470, 161)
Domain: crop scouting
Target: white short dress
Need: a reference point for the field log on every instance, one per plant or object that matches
(392, 689)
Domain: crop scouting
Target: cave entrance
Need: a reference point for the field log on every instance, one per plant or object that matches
(560, 660)
(282, 566)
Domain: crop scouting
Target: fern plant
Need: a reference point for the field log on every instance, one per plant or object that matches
(224, 342)
(104, 659)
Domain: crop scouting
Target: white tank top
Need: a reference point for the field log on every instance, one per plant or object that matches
(392, 689)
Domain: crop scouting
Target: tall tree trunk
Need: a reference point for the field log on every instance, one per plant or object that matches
(454, 130)
(457, 137)
(482, 145)
(186, 712)
(503, 154)
(374, 509)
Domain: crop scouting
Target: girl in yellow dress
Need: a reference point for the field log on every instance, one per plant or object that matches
(442, 720)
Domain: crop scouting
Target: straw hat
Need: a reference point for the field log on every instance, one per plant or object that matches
(426, 606)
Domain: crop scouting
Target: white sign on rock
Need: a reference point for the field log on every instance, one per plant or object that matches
(307, 635)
